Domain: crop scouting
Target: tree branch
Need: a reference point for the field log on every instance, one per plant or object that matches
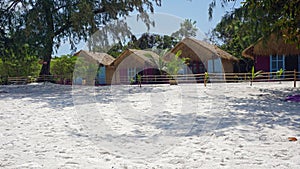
(12, 5)
(62, 29)
(100, 10)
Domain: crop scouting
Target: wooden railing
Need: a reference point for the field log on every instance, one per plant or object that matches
(17, 80)
(218, 78)
(31, 79)
(155, 79)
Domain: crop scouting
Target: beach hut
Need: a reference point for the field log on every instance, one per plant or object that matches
(272, 53)
(97, 63)
(203, 57)
(130, 63)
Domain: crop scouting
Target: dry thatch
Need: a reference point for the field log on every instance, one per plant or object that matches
(142, 56)
(200, 50)
(101, 58)
(273, 46)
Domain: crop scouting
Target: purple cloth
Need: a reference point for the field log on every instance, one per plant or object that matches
(293, 98)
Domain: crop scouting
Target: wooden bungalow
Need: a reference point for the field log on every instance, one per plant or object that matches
(272, 54)
(97, 61)
(130, 63)
(203, 57)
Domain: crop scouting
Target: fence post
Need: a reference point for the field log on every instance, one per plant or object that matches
(295, 77)
(204, 80)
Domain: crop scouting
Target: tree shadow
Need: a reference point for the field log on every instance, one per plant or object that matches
(54, 95)
(268, 109)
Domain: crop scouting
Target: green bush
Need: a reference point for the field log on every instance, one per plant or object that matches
(63, 67)
(14, 67)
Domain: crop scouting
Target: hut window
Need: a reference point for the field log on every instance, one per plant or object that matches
(131, 72)
(215, 66)
(277, 62)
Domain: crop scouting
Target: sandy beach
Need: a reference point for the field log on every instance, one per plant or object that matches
(156, 126)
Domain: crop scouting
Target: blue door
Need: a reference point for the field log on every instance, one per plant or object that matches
(101, 75)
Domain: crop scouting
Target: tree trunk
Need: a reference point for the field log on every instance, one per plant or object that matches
(46, 66)
(47, 6)
(45, 71)
(47, 57)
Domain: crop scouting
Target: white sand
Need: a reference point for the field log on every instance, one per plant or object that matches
(184, 126)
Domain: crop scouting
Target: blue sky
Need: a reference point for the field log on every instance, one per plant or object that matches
(196, 10)
(169, 16)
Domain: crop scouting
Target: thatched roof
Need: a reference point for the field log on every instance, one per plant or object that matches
(274, 45)
(202, 50)
(142, 56)
(100, 58)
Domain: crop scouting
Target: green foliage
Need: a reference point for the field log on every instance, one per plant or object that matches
(171, 66)
(188, 28)
(139, 80)
(146, 41)
(176, 63)
(160, 62)
(131, 81)
(206, 77)
(117, 49)
(233, 34)
(269, 16)
(63, 66)
(279, 73)
(19, 64)
(86, 70)
(254, 75)
(278, 16)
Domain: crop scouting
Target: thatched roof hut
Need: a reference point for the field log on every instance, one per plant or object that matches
(272, 53)
(101, 58)
(95, 61)
(203, 57)
(130, 63)
(273, 45)
(197, 49)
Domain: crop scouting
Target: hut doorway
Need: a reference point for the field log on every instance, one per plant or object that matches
(101, 75)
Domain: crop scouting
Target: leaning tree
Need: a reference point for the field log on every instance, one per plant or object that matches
(46, 24)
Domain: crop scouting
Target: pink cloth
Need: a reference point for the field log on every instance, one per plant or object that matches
(293, 98)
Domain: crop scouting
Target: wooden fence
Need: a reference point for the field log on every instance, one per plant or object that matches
(220, 78)
(31, 79)
(155, 79)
